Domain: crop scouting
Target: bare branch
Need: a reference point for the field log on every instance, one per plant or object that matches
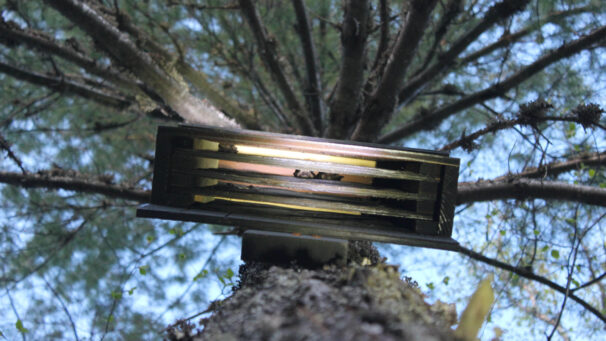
(451, 11)
(382, 102)
(313, 89)
(522, 272)
(591, 282)
(467, 142)
(4, 145)
(430, 120)
(189, 4)
(72, 181)
(556, 168)
(63, 306)
(31, 107)
(508, 38)
(12, 303)
(196, 77)
(41, 42)
(269, 56)
(521, 188)
(64, 84)
(499, 11)
(383, 36)
(157, 80)
(348, 90)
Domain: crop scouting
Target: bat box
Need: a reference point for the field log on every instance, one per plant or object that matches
(304, 185)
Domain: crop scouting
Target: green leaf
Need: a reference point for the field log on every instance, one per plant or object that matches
(201, 275)
(431, 286)
(571, 130)
(229, 274)
(131, 291)
(575, 282)
(181, 256)
(545, 248)
(20, 327)
(591, 173)
(445, 280)
(176, 231)
(536, 232)
(116, 295)
(502, 232)
(150, 238)
(143, 269)
(555, 254)
(603, 185)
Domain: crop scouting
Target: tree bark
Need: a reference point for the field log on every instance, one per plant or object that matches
(351, 303)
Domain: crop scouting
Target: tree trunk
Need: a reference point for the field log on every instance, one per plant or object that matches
(357, 302)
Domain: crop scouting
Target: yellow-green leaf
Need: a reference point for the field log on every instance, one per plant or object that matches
(476, 311)
(20, 327)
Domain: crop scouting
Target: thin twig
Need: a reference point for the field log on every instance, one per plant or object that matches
(4, 145)
(573, 255)
(58, 297)
(191, 284)
(532, 276)
(12, 303)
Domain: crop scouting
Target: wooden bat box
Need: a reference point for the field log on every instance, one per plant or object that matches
(304, 185)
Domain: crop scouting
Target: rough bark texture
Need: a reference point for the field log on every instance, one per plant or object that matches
(350, 303)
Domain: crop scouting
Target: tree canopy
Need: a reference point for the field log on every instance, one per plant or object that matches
(515, 88)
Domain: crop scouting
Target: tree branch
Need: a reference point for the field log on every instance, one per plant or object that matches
(467, 142)
(508, 38)
(63, 306)
(451, 11)
(65, 85)
(521, 188)
(4, 145)
(194, 76)
(383, 36)
(529, 275)
(313, 90)
(555, 168)
(430, 120)
(382, 102)
(348, 91)
(269, 55)
(71, 181)
(499, 11)
(591, 282)
(169, 90)
(12, 34)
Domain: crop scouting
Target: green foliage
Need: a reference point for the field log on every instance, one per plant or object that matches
(20, 327)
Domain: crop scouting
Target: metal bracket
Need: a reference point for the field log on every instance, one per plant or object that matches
(287, 248)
